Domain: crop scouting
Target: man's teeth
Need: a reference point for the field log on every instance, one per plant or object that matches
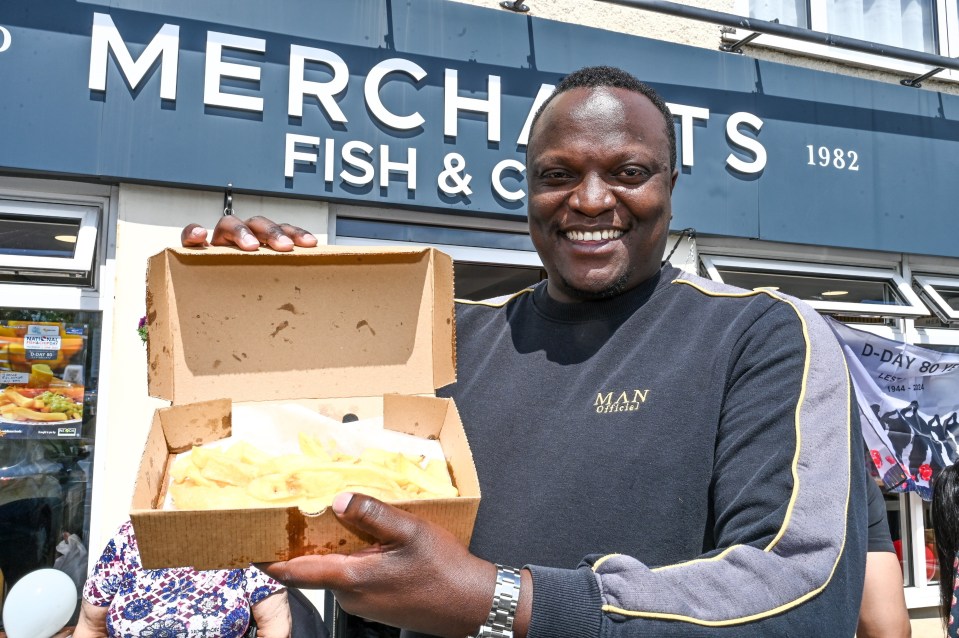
(596, 235)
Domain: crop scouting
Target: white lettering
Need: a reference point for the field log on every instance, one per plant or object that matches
(545, 91)
(510, 196)
(687, 127)
(328, 159)
(5, 39)
(371, 90)
(164, 46)
(216, 69)
(745, 142)
(356, 158)
(323, 91)
(454, 180)
(292, 155)
(453, 102)
(386, 166)
(836, 157)
(357, 162)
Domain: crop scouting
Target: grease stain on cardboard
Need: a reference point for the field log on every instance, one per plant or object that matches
(281, 326)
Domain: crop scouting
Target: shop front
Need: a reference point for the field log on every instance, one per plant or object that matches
(382, 123)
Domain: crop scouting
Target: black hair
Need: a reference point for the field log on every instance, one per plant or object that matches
(945, 523)
(609, 76)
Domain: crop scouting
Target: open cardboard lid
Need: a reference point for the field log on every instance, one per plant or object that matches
(322, 322)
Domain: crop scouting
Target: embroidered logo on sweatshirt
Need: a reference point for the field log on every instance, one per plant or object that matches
(620, 401)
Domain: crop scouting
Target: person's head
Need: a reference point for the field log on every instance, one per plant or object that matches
(601, 166)
(945, 524)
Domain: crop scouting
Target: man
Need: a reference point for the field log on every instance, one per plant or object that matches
(689, 445)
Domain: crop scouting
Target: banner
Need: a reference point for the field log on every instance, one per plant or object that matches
(908, 397)
(41, 379)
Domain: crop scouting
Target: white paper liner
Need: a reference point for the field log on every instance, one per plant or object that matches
(275, 429)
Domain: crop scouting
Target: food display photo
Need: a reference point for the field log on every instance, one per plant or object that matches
(41, 393)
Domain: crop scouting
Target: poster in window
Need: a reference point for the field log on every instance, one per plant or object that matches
(41, 379)
(908, 405)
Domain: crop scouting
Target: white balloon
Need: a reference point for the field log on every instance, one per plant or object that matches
(39, 604)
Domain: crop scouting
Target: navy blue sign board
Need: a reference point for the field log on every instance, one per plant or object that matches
(423, 104)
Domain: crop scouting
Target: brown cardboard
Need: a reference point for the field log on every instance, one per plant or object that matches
(367, 331)
(264, 326)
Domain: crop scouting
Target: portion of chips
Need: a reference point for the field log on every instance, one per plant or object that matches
(243, 476)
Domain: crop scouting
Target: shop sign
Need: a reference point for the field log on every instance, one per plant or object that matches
(429, 105)
(342, 163)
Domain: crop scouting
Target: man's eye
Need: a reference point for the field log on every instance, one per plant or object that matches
(632, 171)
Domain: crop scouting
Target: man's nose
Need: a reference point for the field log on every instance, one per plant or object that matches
(592, 196)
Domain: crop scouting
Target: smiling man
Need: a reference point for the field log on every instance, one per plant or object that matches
(659, 455)
(601, 173)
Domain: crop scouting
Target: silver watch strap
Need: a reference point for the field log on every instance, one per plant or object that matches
(499, 623)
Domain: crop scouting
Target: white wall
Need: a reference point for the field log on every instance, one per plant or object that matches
(150, 219)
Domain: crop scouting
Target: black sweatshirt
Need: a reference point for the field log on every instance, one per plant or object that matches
(681, 460)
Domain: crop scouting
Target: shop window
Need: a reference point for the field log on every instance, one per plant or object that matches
(897, 516)
(46, 243)
(49, 376)
(942, 295)
(486, 263)
(911, 518)
(485, 281)
(931, 562)
(846, 291)
(427, 235)
(928, 26)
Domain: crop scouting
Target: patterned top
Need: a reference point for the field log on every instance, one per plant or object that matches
(953, 629)
(171, 603)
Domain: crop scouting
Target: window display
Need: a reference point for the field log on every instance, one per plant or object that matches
(48, 389)
(41, 383)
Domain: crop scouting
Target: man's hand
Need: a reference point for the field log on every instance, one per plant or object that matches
(248, 235)
(418, 576)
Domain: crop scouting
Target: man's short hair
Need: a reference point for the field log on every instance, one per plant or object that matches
(608, 76)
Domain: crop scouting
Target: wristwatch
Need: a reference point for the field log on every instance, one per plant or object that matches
(499, 624)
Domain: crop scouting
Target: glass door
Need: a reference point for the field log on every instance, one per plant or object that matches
(49, 377)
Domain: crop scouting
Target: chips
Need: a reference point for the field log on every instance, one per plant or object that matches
(46, 406)
(243, 476)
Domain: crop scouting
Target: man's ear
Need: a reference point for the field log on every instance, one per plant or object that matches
(672, 181)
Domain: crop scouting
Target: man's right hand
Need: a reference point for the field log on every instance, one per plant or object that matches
(248, 235)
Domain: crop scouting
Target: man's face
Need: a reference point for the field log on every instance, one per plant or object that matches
(599, 192)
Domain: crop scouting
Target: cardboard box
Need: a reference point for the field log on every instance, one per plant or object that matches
(368, 331)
